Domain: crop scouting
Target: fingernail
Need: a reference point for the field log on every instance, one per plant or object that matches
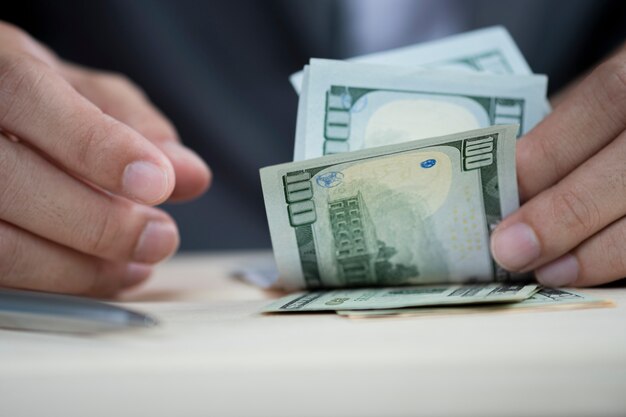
(145, 182)
(135, 273)
(157, 241)
(515, 247)
(558, 273)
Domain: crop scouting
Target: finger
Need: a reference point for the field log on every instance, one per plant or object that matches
(30, 262)
(591, 117)
(563, 216)
(15, 39)
(39, 106)
(40, 198)
(116, 96)
(598, 260)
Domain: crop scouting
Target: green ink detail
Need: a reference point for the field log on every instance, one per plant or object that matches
(362, 259)
(340, 101)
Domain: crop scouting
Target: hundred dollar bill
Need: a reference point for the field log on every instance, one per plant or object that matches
(412, 213)
(490, 50)
(350, 106)
(399, 297)
(544, 299)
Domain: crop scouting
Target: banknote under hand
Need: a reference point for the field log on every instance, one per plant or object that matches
(399, 297)
(412, 213)
(546, 299)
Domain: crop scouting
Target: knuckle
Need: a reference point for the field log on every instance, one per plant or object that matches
(576, 210)
(77, 274)
(91, 141)
(10, 248)
(10, 180)
(13, 68)
(613, 249)
(612, 73)
(524, 156)
(543, 151)
(19, 76)
(114, 229)
(102, 282)
(104, 237)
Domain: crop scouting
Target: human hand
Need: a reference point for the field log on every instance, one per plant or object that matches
(76, 188)
(571, 171)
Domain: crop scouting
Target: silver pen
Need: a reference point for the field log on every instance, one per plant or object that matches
(31, 310)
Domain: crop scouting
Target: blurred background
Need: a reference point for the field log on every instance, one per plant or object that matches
(218, 69)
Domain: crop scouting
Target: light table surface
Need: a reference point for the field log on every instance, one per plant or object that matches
(215, 355)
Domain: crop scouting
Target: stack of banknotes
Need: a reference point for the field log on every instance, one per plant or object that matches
(404, 163)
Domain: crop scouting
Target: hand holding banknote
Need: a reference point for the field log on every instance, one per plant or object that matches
(364, 103)
(572, 180)
(411, 213)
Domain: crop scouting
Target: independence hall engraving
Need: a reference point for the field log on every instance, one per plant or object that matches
(362, 259)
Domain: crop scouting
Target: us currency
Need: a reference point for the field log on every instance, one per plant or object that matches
(417, 212)
(542, 300)
(392, 298)
(351, 106)
(490, 50)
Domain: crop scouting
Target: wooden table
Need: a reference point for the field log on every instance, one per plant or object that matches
(216, 356)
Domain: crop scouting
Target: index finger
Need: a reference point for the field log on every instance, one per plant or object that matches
(118, 97)
(40, 107)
